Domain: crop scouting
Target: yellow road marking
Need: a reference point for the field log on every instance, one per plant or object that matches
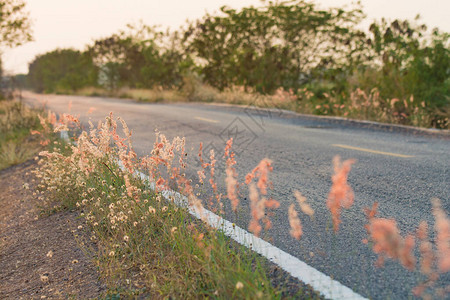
(206, 120)
(372, 151)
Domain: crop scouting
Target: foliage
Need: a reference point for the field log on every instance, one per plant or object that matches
(15, 28)
(61, 70)
(149, 246)
(408, 61)
(292, 47)
(14, 23)
(146, 245)
(138, 58)
(17, 144)
(278, 45)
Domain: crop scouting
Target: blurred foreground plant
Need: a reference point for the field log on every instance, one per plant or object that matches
(146, 241)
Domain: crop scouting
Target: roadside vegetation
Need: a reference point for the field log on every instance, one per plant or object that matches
(292, 54)
(149, 245)
(15, 30)
(16, 121)
(322, 64)
(19, 126)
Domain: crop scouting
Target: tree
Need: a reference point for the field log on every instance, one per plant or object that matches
(120, 56)
(15, 27)
(278, 45)
(63, 70)
(140, 57)
(407, 60)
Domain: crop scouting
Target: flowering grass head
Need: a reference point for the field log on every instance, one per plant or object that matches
(123, 214)
(304, 206)
(259, 204)
(341, 194)
(442, 227)
(295, 223)
(231, 175)
(389, 243)
(261, 172)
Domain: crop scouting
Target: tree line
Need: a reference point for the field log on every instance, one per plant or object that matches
(15, 30)
(288, 44)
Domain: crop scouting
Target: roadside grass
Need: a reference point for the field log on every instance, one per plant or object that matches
(358, 105)
(153, 95)
(150, 247)
(17, 143)
(143, 95)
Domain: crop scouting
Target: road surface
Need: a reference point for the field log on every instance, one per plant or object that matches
(400, 169)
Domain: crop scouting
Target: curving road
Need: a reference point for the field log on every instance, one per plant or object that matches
(399, 168)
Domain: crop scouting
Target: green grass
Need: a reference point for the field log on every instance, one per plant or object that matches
(358, 105)
(165, 253)
(146, 245)
(17, 144)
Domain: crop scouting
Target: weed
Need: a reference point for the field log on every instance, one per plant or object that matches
(147, 245)
(17, 125)
(150, 246)
(358, 104)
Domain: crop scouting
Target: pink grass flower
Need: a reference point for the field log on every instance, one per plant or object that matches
(231, 175)
(213, 184)
(258, 206)
(262, 173)
(385, 235)
(232, 184)
(295, 223)
(341, 194)
(442, 227)
(370, 214)
(160, 181)
(128, 185)
(257, 211)
(406, 255)
(305, 207)
(426, 249)
(389, 243)
(272, 203)
(201, 172)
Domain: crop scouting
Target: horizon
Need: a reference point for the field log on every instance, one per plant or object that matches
(75, 24)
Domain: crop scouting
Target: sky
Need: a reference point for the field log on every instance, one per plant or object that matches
(76, 23)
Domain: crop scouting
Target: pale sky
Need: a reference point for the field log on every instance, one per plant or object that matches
(76, 23)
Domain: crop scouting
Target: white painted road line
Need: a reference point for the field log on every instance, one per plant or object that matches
(320, 282)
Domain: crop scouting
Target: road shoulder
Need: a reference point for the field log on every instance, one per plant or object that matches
(40, 256)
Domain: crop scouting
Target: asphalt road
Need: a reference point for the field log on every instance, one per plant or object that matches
(400, 169)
